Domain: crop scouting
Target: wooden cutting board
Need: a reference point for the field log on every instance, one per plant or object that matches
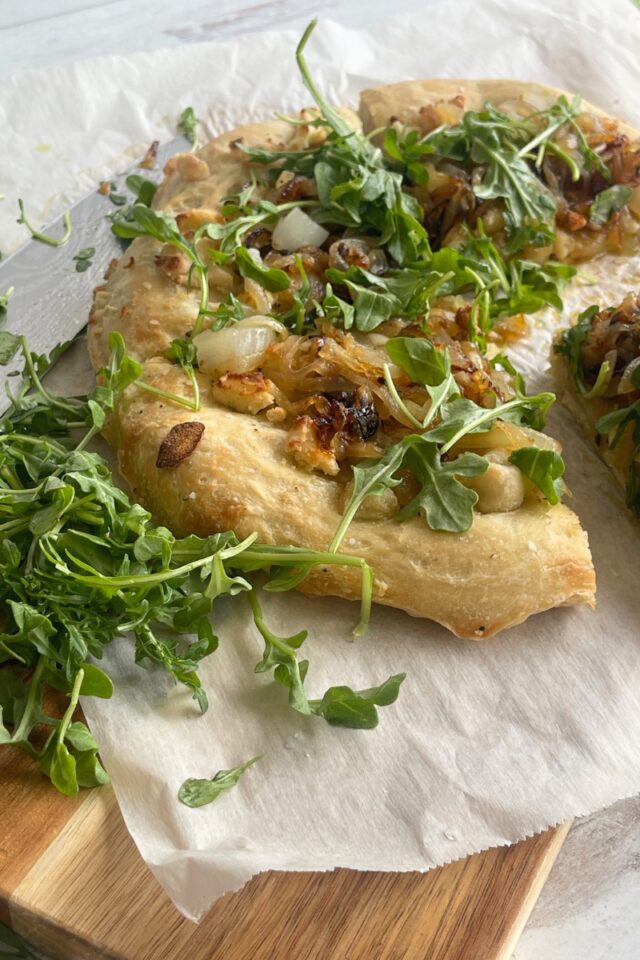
(73, 884)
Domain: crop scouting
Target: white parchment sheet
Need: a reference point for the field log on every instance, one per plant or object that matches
(489, 742)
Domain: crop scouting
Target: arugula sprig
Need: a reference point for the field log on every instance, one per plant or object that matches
(445, 502)
(340, 706)
(570, 346)
(199, 792)
(355, 186)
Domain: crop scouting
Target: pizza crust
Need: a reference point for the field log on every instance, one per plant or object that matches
(505, 568)
(403, 101)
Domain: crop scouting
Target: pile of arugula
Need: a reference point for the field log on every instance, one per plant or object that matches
(81, 564)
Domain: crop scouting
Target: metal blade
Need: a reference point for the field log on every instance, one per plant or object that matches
(50, 302)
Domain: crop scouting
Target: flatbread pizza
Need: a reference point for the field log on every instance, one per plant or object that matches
(320, 316)
(597, 368)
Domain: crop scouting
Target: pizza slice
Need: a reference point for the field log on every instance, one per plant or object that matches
(312, 367)
(597, 367)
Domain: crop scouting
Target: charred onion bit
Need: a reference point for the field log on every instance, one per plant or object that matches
(179, 443)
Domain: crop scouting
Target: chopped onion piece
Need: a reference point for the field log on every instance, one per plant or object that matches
(296, 229)
(238, 347)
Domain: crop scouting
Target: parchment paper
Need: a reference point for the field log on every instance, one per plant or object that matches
(489, 742)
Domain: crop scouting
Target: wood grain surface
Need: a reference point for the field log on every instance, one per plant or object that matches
(73, 883)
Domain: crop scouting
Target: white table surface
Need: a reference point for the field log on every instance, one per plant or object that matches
(590, 906)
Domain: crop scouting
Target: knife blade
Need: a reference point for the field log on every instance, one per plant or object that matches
(50, 302)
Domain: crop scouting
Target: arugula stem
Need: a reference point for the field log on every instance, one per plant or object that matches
(357, 499)
(32, 700)
(494, 413)
(266, 633)
(37, 383)
(574, 169)
(73, 703)
(333, 118)
(543, 136)
(182, 401)
(399, 402)
(42, 237)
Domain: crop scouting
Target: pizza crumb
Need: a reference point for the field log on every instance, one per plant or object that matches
(532, 546)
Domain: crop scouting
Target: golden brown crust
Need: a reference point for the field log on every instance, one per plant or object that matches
(506, 567)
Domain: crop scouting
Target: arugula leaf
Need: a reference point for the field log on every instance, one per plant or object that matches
(607, 201)
(198, 793)
(445, 502)
(544, 468)
(570, 346)
(370, 479)
(188, 124)
(4, 302)
(510, 178)
(83, 259)
(420, 359)
(336, 309)
(250, 265)
(10, 344)
(528, 235)
(143, 189)
(344, 707)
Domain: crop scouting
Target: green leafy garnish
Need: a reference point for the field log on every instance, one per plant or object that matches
(339, 706)
(144, 222)
(570, 346)
(445, 503)
(443, 500)
(81, 564)
(545, 468)
(83, 259)
(250, 265)
(4, 301)
(43, 237)
(198, 793)
(355, 187)
(626, 421)
(608, 201)
(356, 709)
(143, 189)
(188, 124)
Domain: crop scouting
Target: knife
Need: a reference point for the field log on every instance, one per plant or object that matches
(50, 302)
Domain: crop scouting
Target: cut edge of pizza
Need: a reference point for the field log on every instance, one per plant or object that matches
(596, 365)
